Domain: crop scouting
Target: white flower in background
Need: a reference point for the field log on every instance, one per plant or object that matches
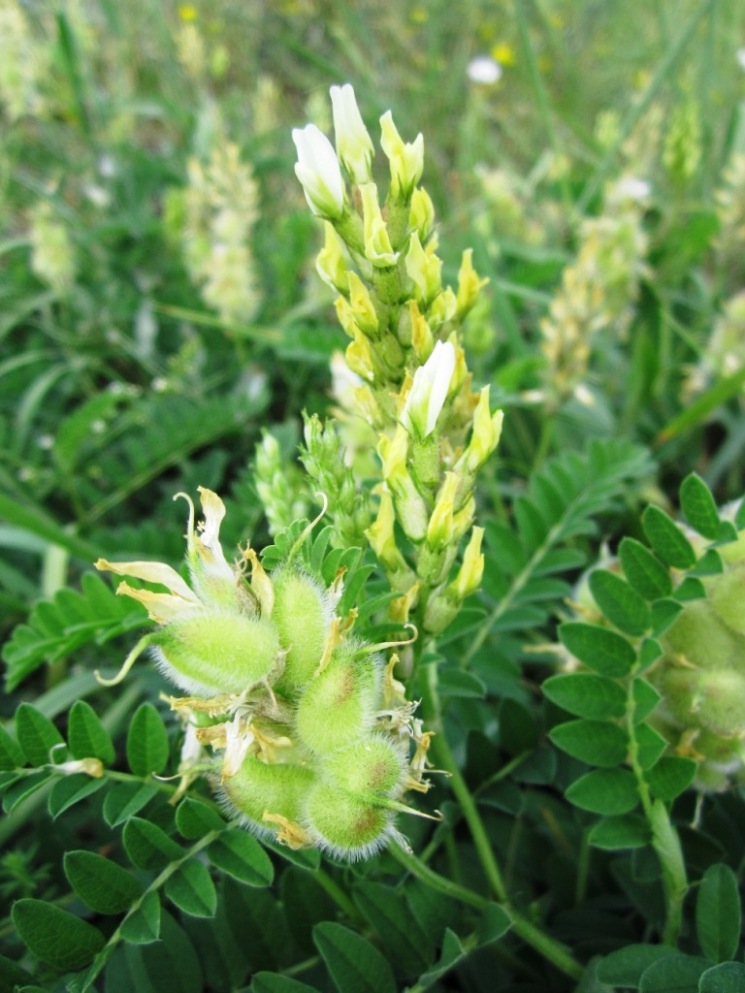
(429, 391)
(741, 58)
(484, 70)
(353, 143)
(318, 170)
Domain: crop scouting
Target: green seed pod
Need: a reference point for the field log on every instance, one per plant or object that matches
(345, 825)
(700, 637)
(258, 788)
(338, 706)
(372, 767)
(727, 596)
(301, 616)
(210, 652)
(713, 700)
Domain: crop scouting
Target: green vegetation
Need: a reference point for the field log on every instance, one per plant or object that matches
(467, 688)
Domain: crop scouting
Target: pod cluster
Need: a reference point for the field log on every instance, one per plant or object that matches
(315, 742)
(702, 676)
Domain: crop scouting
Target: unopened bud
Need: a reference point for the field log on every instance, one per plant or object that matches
(362, 305)
(406, 159)
(90, 767)
(469, 284)
(422, 341)
(487, 428)
(411, 509)
(378, 248)
(471, 571)
(353, 143)
(421, 214)
(440, 528)
(424, 269)
(429, 391)
(318, 170)
(330, 262)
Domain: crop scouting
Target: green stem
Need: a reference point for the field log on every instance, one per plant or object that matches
(336, 893)
(665, 839)
(435, 881)
(546, 946)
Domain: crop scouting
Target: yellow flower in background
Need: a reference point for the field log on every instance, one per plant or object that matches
(503, 53)
(188, 12)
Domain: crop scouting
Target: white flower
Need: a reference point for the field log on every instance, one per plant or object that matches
(318, 170)
(429, 391)
(353, 143)
(740, 55)
(484, 70)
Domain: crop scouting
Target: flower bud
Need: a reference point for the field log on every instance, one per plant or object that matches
(421, 214)
(382, 539)
(424, 269)
(411, 508)
(422, 340)
(440, 527)
(406, 159)
(301, 616)
(469, 284)
(487, 428)
(209, 652)
(345, 825)
(353, 143)
(360, 357)
(362, 306)
(443, 308)
(471, 571)
(330, 262)
(378, 248)
(318, 170)
(338, 705)
(429, 391)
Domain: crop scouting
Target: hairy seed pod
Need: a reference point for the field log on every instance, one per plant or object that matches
(212, 652)
(700, 637)
(727, 596)
(258, 788)
(713, 699)
(301, 617)
(345, 825)
(338, 705)
(371, 767)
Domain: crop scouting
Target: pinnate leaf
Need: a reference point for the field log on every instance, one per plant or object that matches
(148, 846)
(241, 856)
(595, 742)
(699, 506)
(605, 791)
(667, 539)
(142, 925)
(192, 890)
(105, 886)
(621, 604)
(147, 742)
(586, 695)
(87, 736)
(600, 649)
(36, 734)
(718, 915)
(644, 571)
(57, 938)
(354, 964)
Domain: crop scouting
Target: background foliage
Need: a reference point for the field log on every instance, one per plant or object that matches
(160, 308)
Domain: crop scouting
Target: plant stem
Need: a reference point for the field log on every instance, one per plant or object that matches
(546, 946)
(665, 840)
